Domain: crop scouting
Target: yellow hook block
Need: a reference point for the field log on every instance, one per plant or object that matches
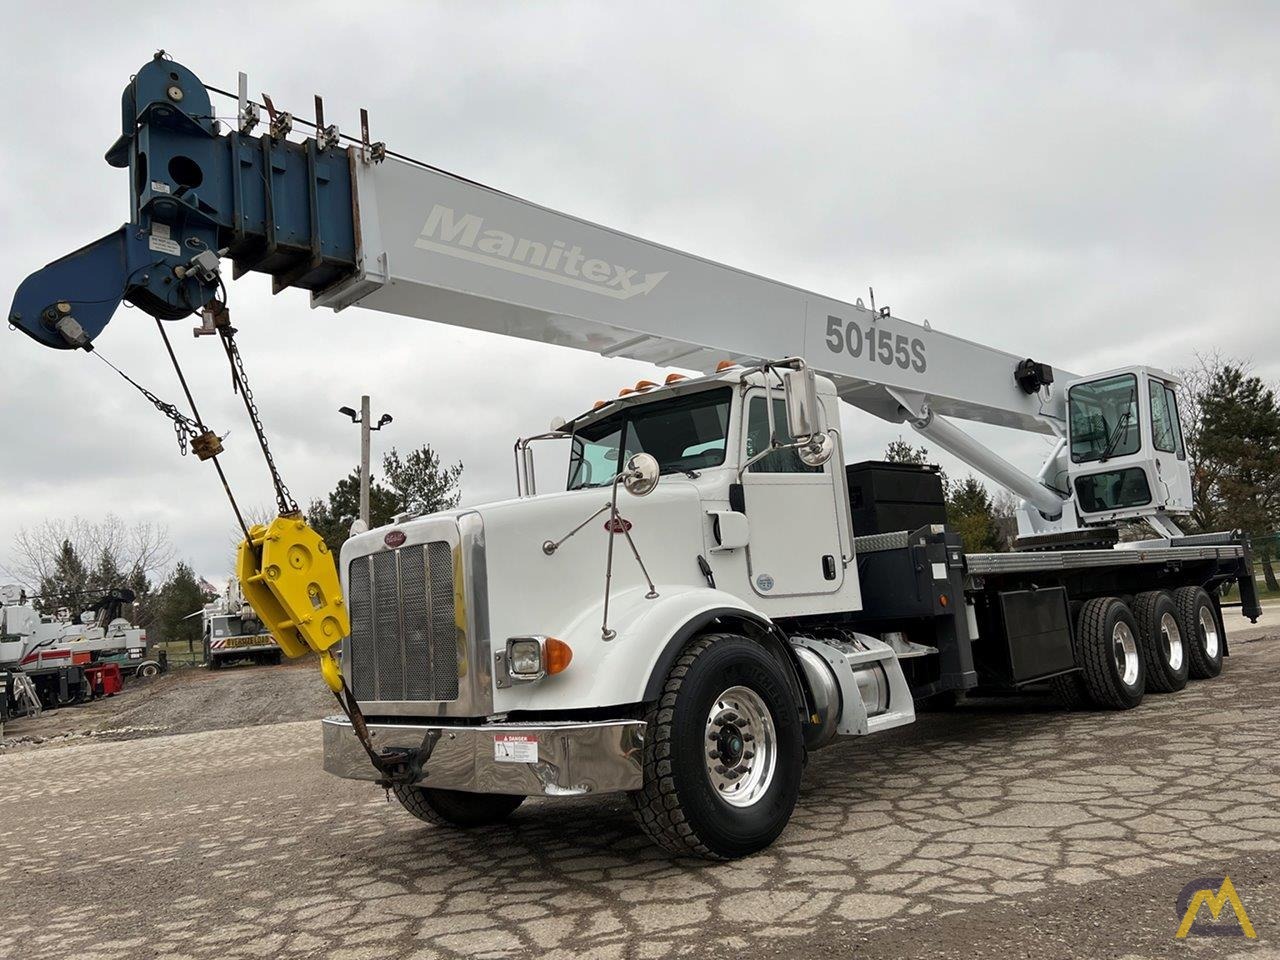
(289, 577)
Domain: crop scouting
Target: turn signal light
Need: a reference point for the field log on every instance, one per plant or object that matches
(556, 656)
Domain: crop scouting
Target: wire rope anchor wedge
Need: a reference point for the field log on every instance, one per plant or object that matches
(291, 580)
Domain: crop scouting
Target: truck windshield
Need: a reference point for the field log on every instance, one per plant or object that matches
(1104, 418)
(683, 434)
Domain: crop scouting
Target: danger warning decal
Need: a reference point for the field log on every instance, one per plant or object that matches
(515, 748)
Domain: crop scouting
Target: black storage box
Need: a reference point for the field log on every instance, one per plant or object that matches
(884, 497)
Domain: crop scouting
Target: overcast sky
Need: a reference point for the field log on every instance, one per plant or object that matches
(1089, 184)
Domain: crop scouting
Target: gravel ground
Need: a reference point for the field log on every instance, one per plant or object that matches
(187, 700)
(1000, 829)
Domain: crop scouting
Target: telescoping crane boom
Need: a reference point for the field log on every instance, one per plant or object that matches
(358, 227)
(460, 628)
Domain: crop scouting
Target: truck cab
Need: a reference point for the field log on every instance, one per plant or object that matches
(775, 529)
(736, 521)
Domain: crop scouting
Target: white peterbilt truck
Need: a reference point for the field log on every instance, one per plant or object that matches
(714, 593)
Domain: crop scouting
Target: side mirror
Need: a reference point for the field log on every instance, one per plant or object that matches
(641, 475)
(817, 451)
(801, 390)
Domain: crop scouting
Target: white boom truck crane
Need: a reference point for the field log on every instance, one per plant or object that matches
(232, 631)
(698, 608)
(52, 662)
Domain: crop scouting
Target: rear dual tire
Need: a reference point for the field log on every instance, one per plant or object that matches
(1163, 641)
(1202, 632)
(1109, 653)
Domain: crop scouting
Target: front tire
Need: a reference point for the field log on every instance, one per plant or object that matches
(456, 808)
(724, 752)
(1107, 648)
(1163, 643)
(1202, 632)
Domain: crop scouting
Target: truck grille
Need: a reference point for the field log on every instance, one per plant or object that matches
(405, 641)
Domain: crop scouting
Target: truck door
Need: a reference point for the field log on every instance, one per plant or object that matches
(795, 546)
(1167, 447)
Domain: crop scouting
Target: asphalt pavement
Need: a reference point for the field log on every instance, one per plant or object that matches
(999, 829)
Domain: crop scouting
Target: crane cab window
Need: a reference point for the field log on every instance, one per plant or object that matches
(1113, 490)
(683, 433)
(1166, 431)
(779, 461)
(1104, 419)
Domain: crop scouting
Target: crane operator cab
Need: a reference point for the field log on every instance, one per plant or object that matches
(1126, 453)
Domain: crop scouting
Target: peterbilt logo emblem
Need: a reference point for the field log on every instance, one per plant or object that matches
(617, 525)
(394, 539)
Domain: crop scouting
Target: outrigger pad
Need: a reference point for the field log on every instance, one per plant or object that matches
(289, 577)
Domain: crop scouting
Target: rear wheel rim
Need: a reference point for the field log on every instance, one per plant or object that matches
(1125, 651)
(741, 747)
(1209, 632)
(1171, 641)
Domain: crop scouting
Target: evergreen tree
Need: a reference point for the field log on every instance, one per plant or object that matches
(106, 575)
(416, 483)
(422, 485)
(971, 513)
(332, 518)
(1240, 436)
(67, 582)
(179, 597)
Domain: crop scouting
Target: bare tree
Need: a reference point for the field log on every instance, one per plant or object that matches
(1004, 507)
(1197, 382)
(140, 550)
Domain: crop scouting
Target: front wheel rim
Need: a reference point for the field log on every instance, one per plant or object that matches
(1171, 641)
(1209, 632)
(741, 752)
(1125, 651)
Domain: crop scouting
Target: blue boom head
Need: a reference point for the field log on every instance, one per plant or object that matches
(271, 205)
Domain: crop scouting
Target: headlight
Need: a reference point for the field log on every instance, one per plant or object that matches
(535, 657)
(524, 658)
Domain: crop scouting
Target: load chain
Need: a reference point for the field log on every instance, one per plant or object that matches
(240, 384)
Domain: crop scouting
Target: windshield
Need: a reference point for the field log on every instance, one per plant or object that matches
(683, 434)
(1104, 418)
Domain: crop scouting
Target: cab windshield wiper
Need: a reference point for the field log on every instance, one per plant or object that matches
(1114, 440)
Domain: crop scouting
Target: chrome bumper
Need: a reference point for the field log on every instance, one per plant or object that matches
(527, 759)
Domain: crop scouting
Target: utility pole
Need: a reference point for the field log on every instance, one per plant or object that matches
(364, 459)
(366, 428)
